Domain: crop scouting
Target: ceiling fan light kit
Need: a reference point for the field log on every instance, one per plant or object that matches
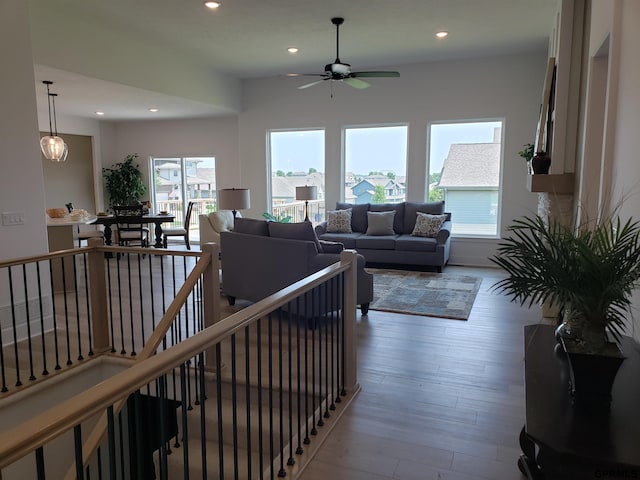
(341, 72)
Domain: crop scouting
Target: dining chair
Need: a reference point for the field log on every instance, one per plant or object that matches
(130, 227)
(179, 232)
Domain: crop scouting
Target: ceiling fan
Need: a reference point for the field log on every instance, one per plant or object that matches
(339, 71)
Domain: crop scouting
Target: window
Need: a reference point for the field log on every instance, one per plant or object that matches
(375, 164)
(296, 160)
(464, 171)
(180, 180)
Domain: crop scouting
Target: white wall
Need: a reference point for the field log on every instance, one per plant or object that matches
(502, 87)
(21, 181)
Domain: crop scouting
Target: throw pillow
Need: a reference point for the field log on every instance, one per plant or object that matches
(428, 225)
(295, 231)
(380, 223)
(339, 221)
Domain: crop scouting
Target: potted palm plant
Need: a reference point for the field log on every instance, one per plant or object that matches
(589, 272)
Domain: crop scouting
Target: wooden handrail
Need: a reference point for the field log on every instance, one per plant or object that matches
(45, 427)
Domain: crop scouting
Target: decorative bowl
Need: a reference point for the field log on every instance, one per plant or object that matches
(164, 212)
(57, 212)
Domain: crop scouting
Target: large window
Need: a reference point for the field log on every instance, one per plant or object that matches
(180, 180)
(464, 171)
(375, 164)
(296, 160)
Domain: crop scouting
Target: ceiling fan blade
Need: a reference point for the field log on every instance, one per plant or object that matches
(356, 83)
(301, 87)
(375, 74)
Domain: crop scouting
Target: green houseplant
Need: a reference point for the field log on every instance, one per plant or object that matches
(589, 272)
(124, 182)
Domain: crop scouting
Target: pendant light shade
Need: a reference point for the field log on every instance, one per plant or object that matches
(53, 147)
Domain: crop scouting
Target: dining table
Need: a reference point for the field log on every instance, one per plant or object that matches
(157, 219)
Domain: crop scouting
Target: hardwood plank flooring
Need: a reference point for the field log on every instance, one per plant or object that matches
(441, 399)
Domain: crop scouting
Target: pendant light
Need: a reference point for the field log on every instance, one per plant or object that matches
(53, 147)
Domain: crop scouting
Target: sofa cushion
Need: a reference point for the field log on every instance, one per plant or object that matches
(376, 242)
(222, 220)
(409, 243)
(295, 231)
(358, 215)
(346, 239)
(251, 226)
(428, 225)
(339, 221)
(411, 208)
(387, 207)
(380, 223)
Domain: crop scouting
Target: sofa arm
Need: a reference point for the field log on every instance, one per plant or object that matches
(331, 247)
(321, 228)
(444, 233)
(207, 233)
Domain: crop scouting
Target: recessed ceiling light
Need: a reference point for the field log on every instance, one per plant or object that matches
(292, 49)
(153, 109)
(442, 34)
(100, 113)
(212, 4)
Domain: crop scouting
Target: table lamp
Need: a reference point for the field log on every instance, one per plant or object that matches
(234, 199)
(306, 193)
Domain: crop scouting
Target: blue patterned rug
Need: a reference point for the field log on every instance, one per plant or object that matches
(424, 293)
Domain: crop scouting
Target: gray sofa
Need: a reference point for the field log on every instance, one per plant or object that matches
(259, 258)
(400, 246)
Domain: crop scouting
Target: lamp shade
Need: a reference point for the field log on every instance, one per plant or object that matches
(307, 193)
(234, 199)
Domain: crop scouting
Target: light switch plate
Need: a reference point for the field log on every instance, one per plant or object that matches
(12, 218)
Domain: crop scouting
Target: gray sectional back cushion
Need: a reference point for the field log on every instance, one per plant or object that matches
(358, 215)
(251, 226)
(412, 208)
(295, 231)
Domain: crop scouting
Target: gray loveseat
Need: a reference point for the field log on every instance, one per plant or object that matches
(399, 246)
(259, 258)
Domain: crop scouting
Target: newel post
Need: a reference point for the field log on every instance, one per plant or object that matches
(350, 305)
(211, 292)
(98, 296)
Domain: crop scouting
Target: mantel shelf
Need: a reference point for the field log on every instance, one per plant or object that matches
(552, 183)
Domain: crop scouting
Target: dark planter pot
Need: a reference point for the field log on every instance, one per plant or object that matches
(592, 375)
(540, 163)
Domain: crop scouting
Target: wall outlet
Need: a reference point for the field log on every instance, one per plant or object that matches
(12, 218)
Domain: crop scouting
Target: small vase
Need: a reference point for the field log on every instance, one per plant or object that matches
(540, 163)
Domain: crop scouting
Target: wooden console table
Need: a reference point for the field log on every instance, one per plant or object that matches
(562, 440)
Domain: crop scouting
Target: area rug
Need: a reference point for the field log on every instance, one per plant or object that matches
(424, 293)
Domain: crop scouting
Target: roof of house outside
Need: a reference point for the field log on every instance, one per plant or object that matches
(285, 187)
(471, 165)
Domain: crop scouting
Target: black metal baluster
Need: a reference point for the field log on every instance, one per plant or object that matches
(77, 441)
(77, 299)
(334, 318)
(113, 338)
(55, 317)
(313, 321)
(152, 292)
(32, 377)
(130, 297)
(219, 400)
(144, 338)
(99, 464)
(66, 310)
(327, 320)
(3, 372)
(40, 468)
(343, 346)
(111, 441)
(247, 368)
(307, 299)
(88, 306)
(163, 464)
(320, 321)
(203, 423)
(119, 279)
(185, 430)
(121, 444)
(299, 449)
(281, 472)
(291, 460)
(234, 406)
(42, 329)
(14, 327)
(270, 390)
(259, 373)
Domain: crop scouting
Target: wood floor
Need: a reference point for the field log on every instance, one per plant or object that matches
(440, 399)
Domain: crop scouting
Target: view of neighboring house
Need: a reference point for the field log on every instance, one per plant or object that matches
(470, 181)
(365, 190)
(201, 181)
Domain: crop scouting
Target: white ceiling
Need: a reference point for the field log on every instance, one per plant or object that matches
(248, 39)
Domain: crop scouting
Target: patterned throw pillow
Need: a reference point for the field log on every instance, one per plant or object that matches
(428, 225)
(339, 221)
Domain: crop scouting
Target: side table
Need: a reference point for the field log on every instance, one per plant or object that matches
(563, 440)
